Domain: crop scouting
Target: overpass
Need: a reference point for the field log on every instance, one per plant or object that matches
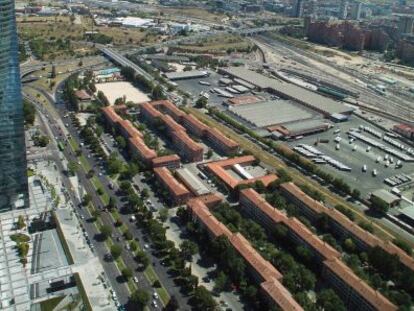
(123, 61)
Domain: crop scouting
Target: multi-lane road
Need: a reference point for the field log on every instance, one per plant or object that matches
(59, 129)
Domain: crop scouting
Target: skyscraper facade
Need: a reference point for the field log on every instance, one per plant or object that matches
(13, 165)
(298, 8)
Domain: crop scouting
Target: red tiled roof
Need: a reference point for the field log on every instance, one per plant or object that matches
(221, 139)
(111, 115)
(187, 141)
(143, 150)
(197, 124)
(242, 100)
(82, 95)
(129, 128)
(349, 225)
(280, 295)
(375, 298)
(302, 196)
(165, 159)
(171, 124)
(323, 248)
(211, 199)
(255, 260)
(170, 108)
(154, 113)
(326, 251)
(173, 185)
(214, 226)
(219, 169)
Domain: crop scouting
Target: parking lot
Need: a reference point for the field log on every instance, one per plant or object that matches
(356, 155)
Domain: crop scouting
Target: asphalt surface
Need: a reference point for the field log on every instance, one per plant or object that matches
(100, 173)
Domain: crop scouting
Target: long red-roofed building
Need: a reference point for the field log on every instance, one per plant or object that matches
(187, 147)
(171, 161)
(217, 139)
(220, 170)
(342, 226)
(353, 290)
(139, 149)
(179, 193)
(262, 271)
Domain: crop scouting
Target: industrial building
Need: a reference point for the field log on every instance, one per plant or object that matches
(260, 270)
(192, 74)
(232, 172)
(296, 129)
(242, 100)
(315, 101)
(385, 196)
(264, 114)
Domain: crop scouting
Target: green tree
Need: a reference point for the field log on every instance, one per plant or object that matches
(157, 93)
(172, 304)
(379, 205)
(116, 251)
(21, 223)
(188, 249)
(29, 112)
(163, 214)
(140, 297)
(121, 142)
(201, 102)
(328, 300)
(87, 198)
(106, 231)
(404, 246)
(142, 259)
(127, 273)
(203, 299)
(95, 214)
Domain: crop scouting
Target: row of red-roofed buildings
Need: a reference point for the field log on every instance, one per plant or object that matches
(356, 294)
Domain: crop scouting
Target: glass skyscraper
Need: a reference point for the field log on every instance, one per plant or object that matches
(13, 165)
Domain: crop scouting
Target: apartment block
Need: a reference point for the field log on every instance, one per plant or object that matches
(169, 161)
(355, 293)
(111, 116)
(342, 226)
(171, 125)
(179, 193)
(149, 112)
(187, 147)
(223, 170)
(221, 143)
(128, 130)
(194, 126)
(218, 141)
(257, 208)
(139, 149)
(262, 271)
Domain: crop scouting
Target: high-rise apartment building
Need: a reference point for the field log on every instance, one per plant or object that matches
(298, 8)
(13, 166)
(405, 24)
(343, 9)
